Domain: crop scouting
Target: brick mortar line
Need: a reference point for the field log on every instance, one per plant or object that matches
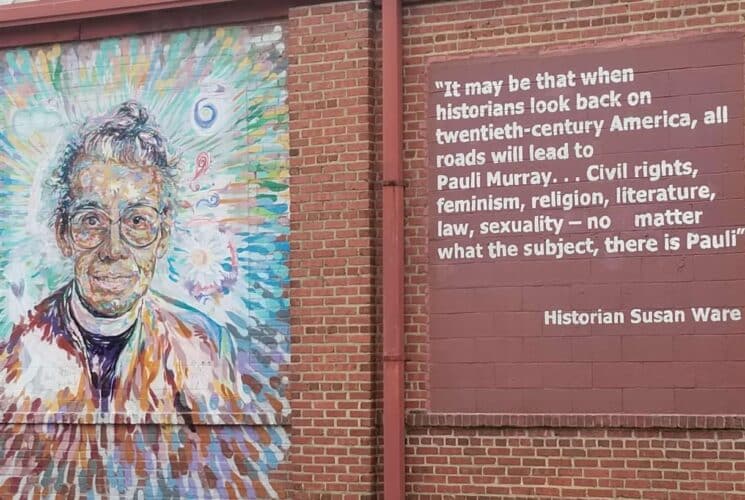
(553, 45)
(559, 16)
(577, 421)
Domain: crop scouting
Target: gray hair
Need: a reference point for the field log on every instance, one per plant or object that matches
(125, 135)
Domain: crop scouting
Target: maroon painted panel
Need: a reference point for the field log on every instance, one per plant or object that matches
(587, 230)
(50, 21)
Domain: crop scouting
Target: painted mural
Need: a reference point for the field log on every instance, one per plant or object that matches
(143, 265)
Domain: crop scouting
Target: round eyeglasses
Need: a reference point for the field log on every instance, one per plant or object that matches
(138, 226)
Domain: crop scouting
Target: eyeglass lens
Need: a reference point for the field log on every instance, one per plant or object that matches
(138, 226)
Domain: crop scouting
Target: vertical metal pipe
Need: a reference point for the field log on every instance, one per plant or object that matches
(393, 254)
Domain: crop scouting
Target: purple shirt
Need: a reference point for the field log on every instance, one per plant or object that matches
(103, 353)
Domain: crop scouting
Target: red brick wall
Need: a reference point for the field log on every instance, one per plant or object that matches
(544, 456)
(332, 250)
(335, 142)
(462, 28)
(593, 463)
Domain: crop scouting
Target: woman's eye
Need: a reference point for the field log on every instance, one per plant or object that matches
(91, 221)
(139, 221)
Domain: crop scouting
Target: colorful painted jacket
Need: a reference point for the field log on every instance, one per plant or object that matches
(176, 362)
(176, 368)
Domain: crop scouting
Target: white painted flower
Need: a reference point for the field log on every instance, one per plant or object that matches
(206, 252)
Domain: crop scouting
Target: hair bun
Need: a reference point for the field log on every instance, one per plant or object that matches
(134, 111)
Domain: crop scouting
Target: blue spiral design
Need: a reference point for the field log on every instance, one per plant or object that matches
(212, 201)
(199, 106)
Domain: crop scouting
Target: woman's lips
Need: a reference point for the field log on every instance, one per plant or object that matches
(113, 282)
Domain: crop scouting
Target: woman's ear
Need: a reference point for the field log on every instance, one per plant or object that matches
(165, 235)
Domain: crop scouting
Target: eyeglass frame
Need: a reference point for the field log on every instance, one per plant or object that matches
(112, 222)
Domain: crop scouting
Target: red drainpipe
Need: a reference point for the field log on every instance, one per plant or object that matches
(393, 255)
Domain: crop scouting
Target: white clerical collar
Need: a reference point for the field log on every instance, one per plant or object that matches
(106, 327)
